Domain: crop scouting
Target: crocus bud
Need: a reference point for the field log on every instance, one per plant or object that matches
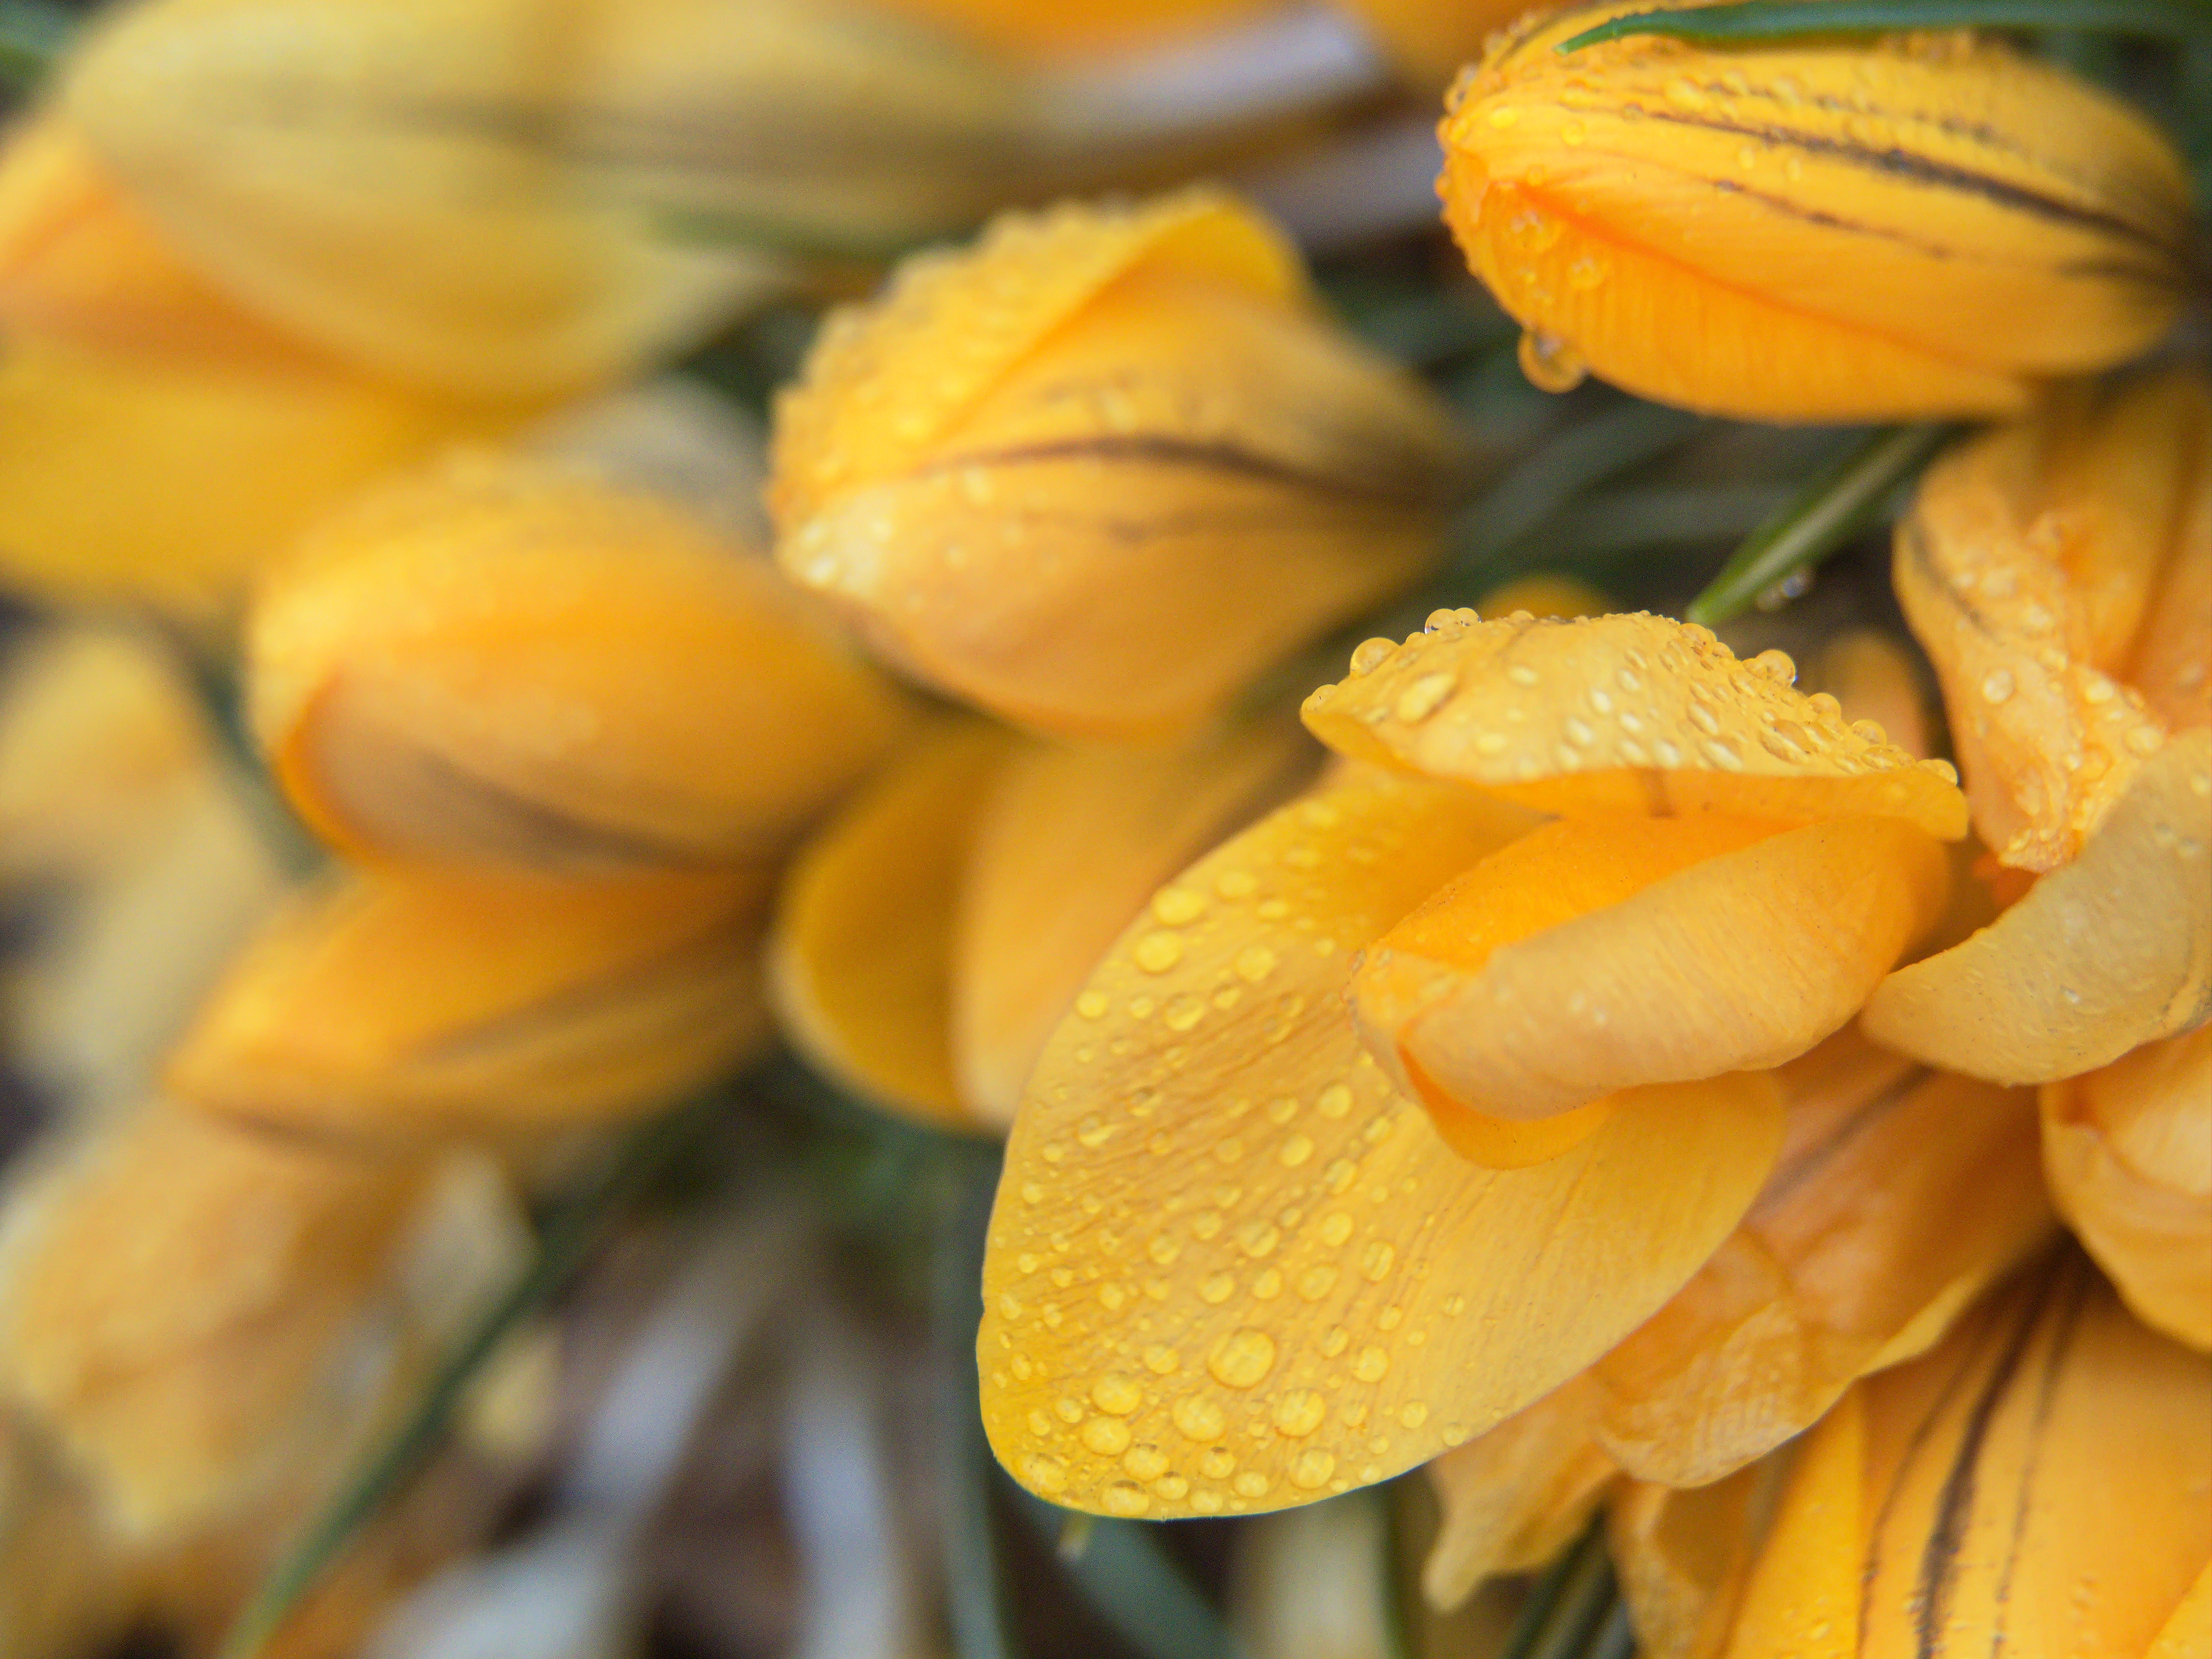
(178, 1302)
(404, 1006)
(491, 197)
(514, 664)
(1096, 472)
(1923, 225)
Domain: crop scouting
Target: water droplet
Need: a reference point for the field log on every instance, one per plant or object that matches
(1092, 1004)
(1251, 1483)
(1216, 1462)
(1183, 1011)
(1268, 1285)
(1235, 884)
(1521, 674)
(1242, 1357)
(1044, 1472)
(1161, 1360)
(2145, 740)
(1107, 1436)
(1178, 906)
(1116, 1393)
(1316, 1283)
(1145, 1462)
(1299, 1411)
(1216, 1289)
(1294, 1151)
(1199, 1416)
(1550, 363)
(1372, 1364)
(1377, 1260)
(1414, 1414)
(1336, 1230)
(1313, 1468)
(1371, 654)
(1424, 697)
(1158, 952)
(1254, 962)
(1126, 1500)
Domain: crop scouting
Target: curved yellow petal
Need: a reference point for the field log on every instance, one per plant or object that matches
(1901, 1196)
(133, 477)
(404, 1005)
(1072, 841)
(2043, 1473)
(2026, 566)
(1516, 1495)
(1685, 1555)
(2171, 662)
(1672, 949)
(473, 196)
(80, 262)
(175, 1302)
(2129, 1152)
(1631, 714)
(1803, 1596)
(1229, 1270)
(860, 959)
(2188, 1633)
(1096, 472)
(2112, 951)
(1811, 230)
(507, 662)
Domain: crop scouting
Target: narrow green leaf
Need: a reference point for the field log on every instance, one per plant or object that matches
(975, 1588)
(1585, 454)
(1128, 1579)
(1845, 498)
(1767, 20)
(33, 35)
(388, 1465)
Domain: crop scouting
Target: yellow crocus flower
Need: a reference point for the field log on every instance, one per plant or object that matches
(933, 935)
(178, 1303)
(1094, 473)
(1925, 225)
(514, 663)
(1277, 1280)
(1997, 1484)
(1075, 28)
(407, 1004)
(2059, 573)
(1433, 40)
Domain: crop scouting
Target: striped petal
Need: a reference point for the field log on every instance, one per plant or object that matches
(2112, 951)
(2129, 1152)
(1229, 1270)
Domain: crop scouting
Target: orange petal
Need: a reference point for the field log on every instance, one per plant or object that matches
(1640, 951)
(2171, 661)
(2188, 1633)
(1516, 1495)
(1803, 1596)
(129, 477)
(1096, 473)
(2025, 568)
(1632, 714)
(1073, 28)
(176, 1310)
(1810, 230)
(1882, 1221)
(861, 961)
(2113, 950)
(475, 667)
(2129, 1152)
(80, 262)
(1871, 674)
(1229, 1270)
(2043, 1473)
(1684, 1556)
(406, 1005)
(1072, 841)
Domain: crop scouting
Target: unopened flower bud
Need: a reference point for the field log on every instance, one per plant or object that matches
(521, 663)
(1923, 225)
(398, 1007)
(1096, 472)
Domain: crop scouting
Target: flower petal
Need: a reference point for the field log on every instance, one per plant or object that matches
(2112, 951)
(400, 1007)
(1515, 1496)
(1880, 1223)
(1632, 714)
(861, 961)
(2026, 566)
(1639, 950)
(2129, 1152)
(1684, 1556)
(1073, 841)
(509, 663)
(1229, 1270)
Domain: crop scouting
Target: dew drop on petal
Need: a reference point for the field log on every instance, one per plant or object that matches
(1241, 1359)
(1550, 363)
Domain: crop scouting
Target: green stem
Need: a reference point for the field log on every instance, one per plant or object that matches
(975, 1593)
(1767, 20)
(391, 1462)
(1843, 500)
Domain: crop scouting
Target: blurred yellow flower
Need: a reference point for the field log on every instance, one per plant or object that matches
(2059, 572)
(1232, 1267)
(411, 1006)
(1433, 40)
(1096, 472)
(1925, 225)
(2041, 1475)
(1073, 28)
(935, 931)
(508, 662)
